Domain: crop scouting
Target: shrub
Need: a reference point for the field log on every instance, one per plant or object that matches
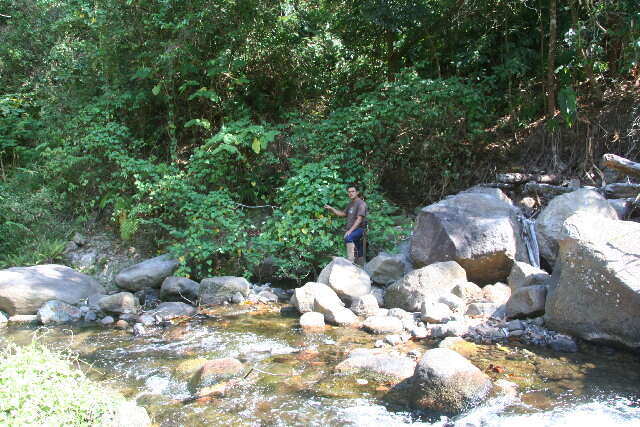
(40, 387)
(31, 224)
(302, 235)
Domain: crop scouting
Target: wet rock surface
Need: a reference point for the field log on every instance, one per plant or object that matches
(447, 382)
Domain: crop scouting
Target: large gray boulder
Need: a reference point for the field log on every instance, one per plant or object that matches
(147, 274)
(444, 381)
(477, 228)
(346, 279)
(23, 290)
(218, 290)
(385, 268)
(425, 284)
(56, 312)
(179, 289)
(304, 297)
(597, 292)
(549, 222)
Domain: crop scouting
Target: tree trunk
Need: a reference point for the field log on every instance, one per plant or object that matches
(621, 164)
(551, 60)
(621, 190)
(518, 178)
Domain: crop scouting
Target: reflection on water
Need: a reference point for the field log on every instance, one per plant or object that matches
(289, 378)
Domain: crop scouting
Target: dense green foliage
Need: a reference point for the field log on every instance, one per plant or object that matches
(40, 387)
(177, 118)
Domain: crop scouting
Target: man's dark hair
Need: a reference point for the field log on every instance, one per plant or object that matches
(358, 190)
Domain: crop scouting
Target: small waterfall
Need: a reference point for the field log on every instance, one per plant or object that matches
(528, 227)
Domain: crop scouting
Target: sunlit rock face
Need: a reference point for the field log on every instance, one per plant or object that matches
(595, 289)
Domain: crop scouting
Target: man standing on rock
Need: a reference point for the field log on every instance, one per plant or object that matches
(356, 213)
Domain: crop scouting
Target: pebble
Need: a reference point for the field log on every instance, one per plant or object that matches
(122, 324)
(90, 316)
(362, 381)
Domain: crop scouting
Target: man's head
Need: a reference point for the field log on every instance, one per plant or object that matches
(352, 192)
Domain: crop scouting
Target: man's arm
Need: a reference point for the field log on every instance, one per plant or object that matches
(355, 225)
(335, 211)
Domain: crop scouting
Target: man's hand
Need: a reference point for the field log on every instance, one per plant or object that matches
(335, 211)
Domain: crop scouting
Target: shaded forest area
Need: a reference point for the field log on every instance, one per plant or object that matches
(217, 130)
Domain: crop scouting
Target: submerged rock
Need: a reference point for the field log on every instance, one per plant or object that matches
(170, 310)
(213, 371)
(58, 312)
(378, 361)
(23, 290)
(446, 382)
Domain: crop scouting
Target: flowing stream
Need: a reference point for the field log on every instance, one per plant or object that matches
(289, 377)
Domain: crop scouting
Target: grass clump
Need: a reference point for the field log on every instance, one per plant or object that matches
(41, 387)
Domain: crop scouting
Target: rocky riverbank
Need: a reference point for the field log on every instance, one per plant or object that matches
(468, 275)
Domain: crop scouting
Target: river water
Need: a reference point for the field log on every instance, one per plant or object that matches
(289, 377)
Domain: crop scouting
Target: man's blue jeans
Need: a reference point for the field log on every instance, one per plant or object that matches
(356, 238)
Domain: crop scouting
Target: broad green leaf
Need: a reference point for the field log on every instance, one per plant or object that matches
(256, 145)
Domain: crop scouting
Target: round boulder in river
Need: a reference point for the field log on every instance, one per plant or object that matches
(147, 274)
(346, 279)
(446, 382)
(221, 289)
